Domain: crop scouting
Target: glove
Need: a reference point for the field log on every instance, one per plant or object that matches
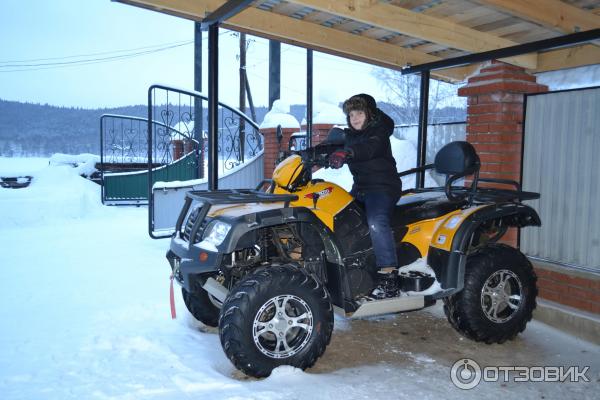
(338, 158)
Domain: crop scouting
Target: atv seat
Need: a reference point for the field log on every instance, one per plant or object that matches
(423, 206)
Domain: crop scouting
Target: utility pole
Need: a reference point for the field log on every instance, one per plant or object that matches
(274, 71)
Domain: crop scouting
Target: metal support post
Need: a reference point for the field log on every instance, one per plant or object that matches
(422, 138)
(309, 96)
(213, 105)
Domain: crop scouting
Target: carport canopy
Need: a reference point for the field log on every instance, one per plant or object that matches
(400, 33)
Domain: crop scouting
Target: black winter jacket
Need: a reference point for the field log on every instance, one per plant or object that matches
(372, 164)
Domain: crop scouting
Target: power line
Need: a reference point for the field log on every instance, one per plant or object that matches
(95, 54)
(52, 65)
(41, 66)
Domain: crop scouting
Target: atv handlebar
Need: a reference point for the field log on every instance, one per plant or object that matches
(318, 156)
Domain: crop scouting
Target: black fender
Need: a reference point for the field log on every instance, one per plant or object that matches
(240, 236)
(449, 266)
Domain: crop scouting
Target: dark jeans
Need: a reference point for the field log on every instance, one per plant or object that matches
(380, 208)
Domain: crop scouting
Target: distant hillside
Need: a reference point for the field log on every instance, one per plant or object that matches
(41, 130)
(28, 129)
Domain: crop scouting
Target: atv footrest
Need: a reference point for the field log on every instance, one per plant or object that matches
(389, 306)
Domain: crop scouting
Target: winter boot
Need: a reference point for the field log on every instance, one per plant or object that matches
(387, 283)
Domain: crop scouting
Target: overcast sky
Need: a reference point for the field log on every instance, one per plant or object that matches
(35, 33)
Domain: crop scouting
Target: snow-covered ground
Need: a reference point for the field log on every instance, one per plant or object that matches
(84, 314)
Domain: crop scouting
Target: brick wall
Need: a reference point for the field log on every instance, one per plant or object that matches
(495, 121)
(495, 98)
(495, 117)
(272, 148)
(575, 289)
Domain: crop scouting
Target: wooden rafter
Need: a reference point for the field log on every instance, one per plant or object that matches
(570, 57)
(553, 14)
(418, 25)
(366, 46)
(290, 30)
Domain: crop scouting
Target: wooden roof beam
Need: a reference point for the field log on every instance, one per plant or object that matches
(569, 57)
(418, 25)
(553, 14)
(297, 32)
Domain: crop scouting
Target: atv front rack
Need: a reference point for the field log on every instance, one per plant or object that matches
(227, 196)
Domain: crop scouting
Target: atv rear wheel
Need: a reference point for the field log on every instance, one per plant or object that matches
(280, 315)
(498, 298)
(202, 306)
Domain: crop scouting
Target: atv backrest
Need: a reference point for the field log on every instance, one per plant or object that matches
(457, 158)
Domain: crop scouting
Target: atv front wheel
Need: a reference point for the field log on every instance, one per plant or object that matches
(498, 298)
(280, 315)
(202, 306)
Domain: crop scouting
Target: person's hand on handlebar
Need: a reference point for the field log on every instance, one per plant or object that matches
(338, 158)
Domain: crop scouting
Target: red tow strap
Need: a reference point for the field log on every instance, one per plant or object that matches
(172, 299)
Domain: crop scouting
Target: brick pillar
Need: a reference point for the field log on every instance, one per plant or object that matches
(272, 148)
(177, 149)
(495, 120)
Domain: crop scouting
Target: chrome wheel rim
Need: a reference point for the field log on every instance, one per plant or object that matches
(282, 326)
(501, 296)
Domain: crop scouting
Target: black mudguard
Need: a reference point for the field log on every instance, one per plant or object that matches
(449, 267)
(242, 235)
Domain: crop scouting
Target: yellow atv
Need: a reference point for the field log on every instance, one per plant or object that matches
(270, 266)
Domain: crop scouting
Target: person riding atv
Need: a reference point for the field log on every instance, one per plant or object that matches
(377, 187)
(270, 266)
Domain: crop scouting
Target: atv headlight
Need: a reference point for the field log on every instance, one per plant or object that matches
(216, 232)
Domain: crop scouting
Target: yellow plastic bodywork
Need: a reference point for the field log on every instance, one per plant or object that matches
(444, 234)
(331, 200)
(287, 171)
(420, 233)
(437, 232)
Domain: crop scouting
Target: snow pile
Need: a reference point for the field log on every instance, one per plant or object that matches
(13, 167)
(279, 115)
(56, 192)
(329, 114)
(182, 130)
(328, 111)
(84, 164)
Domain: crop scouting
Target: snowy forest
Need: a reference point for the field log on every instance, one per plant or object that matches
(36, 130)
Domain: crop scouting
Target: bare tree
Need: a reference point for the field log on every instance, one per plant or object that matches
(403, 93)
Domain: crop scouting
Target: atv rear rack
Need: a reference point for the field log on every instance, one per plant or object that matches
(227, 196)
(482, 195)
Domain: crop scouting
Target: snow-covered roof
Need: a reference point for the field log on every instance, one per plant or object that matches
(328, 113)
(184, 127)
(279, 115)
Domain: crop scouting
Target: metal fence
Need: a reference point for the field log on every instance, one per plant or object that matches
(560, 161)
(135, 153)
(183, 111)
(239, 140)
